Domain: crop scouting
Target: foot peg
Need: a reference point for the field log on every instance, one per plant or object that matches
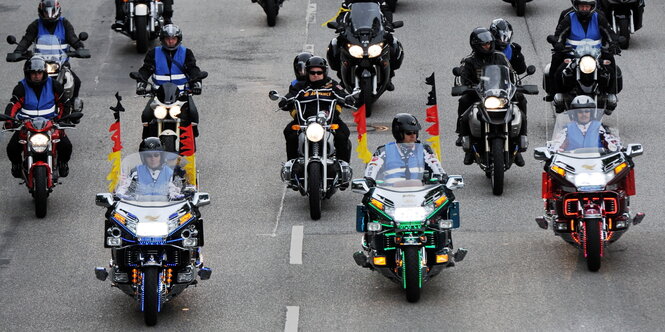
(542, 222)
(460, 254)
(101, 273)
(638, 218)
(204, 273)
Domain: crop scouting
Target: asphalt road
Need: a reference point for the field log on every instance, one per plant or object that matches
(515, 277)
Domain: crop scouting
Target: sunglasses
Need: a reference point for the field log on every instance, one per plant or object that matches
(153, 155)
(410, 133)
(585, 111)
(316, 73)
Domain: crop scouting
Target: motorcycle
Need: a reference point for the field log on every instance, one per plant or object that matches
(57, 57)
(408, 227)
(143, 22)
(155, 236)
(317, 173)
(40, 137)
(585, 73)
(271, 7)
(519, 5)
(168, 103)
(495, 121)
(587, 192)
(626, 16)
(362, 54)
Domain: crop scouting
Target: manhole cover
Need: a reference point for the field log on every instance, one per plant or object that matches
(372, 127)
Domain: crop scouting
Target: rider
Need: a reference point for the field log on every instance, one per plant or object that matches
(37, 95)
(584, 130)
(299, 68)
(584, 22)
(387, 14)
(120, 14)
(50, 22)
(403, 159)
(170, 62)
(317, 78)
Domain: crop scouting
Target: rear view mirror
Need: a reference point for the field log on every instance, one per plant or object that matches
(542, 154)
(455, 182)
(83, 36)
(104, 200)
(11, 40)
(531, 70)
(457, 71)
(273, 95)
(634, 150)
(201, 199)
(359, 186)
(551, 39)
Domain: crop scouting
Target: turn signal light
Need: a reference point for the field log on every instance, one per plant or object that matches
(119, 218)
(295, 127)
(442, 258)
(559, 170)
(185, 218)
(380, 260)
(376, 203)
(440, 201)
(620, 168)
(334, 126)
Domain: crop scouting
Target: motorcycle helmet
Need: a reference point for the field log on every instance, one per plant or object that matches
(480, 36)
(299, 65)
(583, 104)
(403, 122)
(49, 10)
(584, 14)
(170, 30)
(151, 144)
(317, 62)
(502, 31)
(34, 65)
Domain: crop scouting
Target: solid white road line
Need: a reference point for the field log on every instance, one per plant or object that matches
(292, 316)
(297, 234)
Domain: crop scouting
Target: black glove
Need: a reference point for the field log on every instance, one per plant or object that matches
(559, 47)
(196, 88)
(614, 48)
(350, 100)
(285, 105)
(370, 182)
(141, 88)
(14, 57)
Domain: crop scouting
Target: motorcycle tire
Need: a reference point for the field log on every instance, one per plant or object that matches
(271, 7)
(142, 34)
(497, 166)
(366, 97)
(314, 176)
(624, 31)
(392, 5)
(520, 7)
(411, 273)
(151, 294)
(593, 243)
(40, 191)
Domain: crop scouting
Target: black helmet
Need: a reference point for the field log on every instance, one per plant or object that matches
(481, 36)
(151, 144)
(170, 30)
(583, 103)
(584, 14)
(49, 10)
(299, 65)
(502, 32)
(34, 65)
(317, 62)
(404, 122)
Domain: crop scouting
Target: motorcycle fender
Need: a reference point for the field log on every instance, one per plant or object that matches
(31, 172)
(516, 122)
(168, 132)
(141, 10)
(366, 74)
(68, 80)
(474, 124)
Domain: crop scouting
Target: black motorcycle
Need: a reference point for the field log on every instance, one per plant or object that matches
(365, 53)
(143, 21)
(271, 7)
(519, 5)
(626, 17)
(495, 121)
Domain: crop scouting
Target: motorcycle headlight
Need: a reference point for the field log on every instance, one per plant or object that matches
(174, 111)
(411, 214)
(152, 229)
(52, 68)
(587, 64)
(160, 112)
(315, 132)
(356, 51)
(590, 179)
(39, 142)
(375, 50)
(495, 102)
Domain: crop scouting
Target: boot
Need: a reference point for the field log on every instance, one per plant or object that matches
(519, 160)
(63, 169)
(458, 142)
(468, 158)
(16, 170)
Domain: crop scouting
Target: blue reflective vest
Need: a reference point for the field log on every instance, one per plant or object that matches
(577, 32)
(149, 186)
(577, 141)
(44, 106)
(164, 74)
(508, 52)
(397, 166)
(59, 31)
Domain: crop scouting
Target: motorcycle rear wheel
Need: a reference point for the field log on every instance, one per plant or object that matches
(151, 295)
(142, 34)
(392, 5)
(520, 7)
(271, 7)
(624, 31)
(411, 274)
(314, 177)
(593, 244)
(40, 191)
(498, 166)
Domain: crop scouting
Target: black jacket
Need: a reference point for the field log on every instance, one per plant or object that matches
(326, 83)
(148, 68)
(32, 31)
(473, 64)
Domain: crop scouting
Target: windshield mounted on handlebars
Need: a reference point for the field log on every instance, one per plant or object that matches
(152, 176)
(49, 48)
(587, 47)
(584, 133)
(403, 167)
(496, 81)
(366, 16)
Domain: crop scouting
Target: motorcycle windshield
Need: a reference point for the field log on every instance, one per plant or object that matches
(152, 177)
(49, 48)
(583, 133)
(366, 15)
(587, 47)
(495, 81)
(403, 167)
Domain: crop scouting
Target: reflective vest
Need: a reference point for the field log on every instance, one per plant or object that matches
(164, 74)
(44, 106)
(577, 33)
(59, 32)
(577, 141)
(508, 52)
(398, 167)
(149, 186)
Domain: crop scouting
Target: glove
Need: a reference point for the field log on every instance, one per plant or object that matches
(285, 105)
(350, 100)
(559, 47)
(614, 48)
(14, 57)
(196, 88)
(370, 182)
(141, 88)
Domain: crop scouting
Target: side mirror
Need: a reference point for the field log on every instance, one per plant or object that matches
(83, 36)
(398, 24)
(201, 199)
(359, 186)
(104, 200)
(457, 71)
(11, 40)
(531, 70)
(634, 150)
(333, 25)
(551, 39)
(455, 182)
(273, 95)
(542, 154)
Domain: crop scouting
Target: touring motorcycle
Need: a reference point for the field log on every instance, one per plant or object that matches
(155, 235)
(143, 22)
(495, 121)
(364, 54)
(39, 137)
(587, 190)
(407, 227)
(317, 173)
(626, 17)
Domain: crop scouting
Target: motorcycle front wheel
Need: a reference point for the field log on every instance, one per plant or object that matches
(142, 33)
(151, 294)
(40, 191)
(366, 95)
(497, 164)
(314, 176)
(624, 31)
(593, 243)
(411, 273)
